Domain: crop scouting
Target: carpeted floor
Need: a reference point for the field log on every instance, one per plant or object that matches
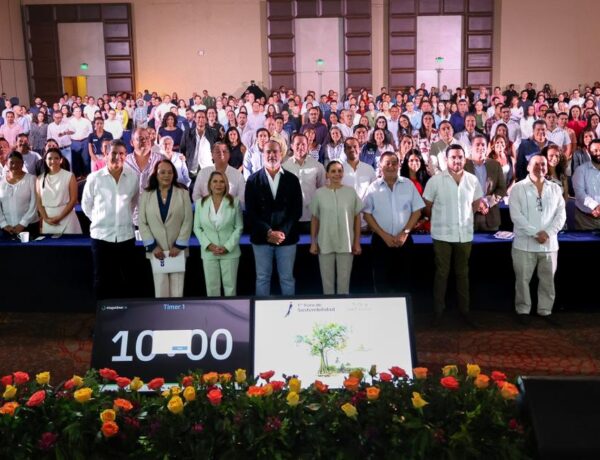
(62, 343)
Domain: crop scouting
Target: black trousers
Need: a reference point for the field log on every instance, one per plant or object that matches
(113, 267)
(391, 266)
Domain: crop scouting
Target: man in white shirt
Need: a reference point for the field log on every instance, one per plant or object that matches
(30, 158)
(452, 197)
(256, 118)
(90, 109)
(466, 136)
(576, 99)
(309, 172)
(557, 134)
(109, 197)
(81, 128)
(198, 105)
(113, 126)
(60, 131)
(586, 183)
(357, 174)
(220, 156)
(392, 208)
(514, 128)
(10, 130)
(537, 209)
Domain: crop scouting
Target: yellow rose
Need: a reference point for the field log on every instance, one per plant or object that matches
(175, 390)
(293, 399)
(43, 378)
(83, 395)
(189, 393)
(482, 381)
(420, 373)
(509, 391)
(357, 373)
(166, 393)
(450, 370)
(350, 410)
(211, 378)
(372, 393)
(108, 415)
(473, 370)
(9, 392)
(295, 385)
(268, 389)
(77, 381)
(417, 401)
(240, 375)
(175, 405)
(136, 384)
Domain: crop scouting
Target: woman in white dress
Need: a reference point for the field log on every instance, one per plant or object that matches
(18, 211)
(57, 196)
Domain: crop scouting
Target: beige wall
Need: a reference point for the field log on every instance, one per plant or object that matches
(13, 71)
(530, 49)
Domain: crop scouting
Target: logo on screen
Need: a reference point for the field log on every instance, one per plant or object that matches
(289, 310)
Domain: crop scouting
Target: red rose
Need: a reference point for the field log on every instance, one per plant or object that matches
(498, 376)
(385, 377)
(21, 377)
(187, 381)
(108, 374)
(450, 383)
(266, 375)
(398, 372)
(36, 399)
(277, 385)
(156, 384)
(7, 380)
(215, 396)
(122, 382)
(69, 384)
(47, 440)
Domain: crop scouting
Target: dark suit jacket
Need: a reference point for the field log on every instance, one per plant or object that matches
(188, 142)
(494, 191)
(265, 213)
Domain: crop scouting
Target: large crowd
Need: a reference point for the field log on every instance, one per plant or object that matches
(332, 166)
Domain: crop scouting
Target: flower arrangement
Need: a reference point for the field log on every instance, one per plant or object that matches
(212, 415)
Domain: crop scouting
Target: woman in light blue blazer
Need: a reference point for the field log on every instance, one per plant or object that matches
(218, 225)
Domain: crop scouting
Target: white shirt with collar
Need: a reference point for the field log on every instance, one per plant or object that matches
(311, 175)
(237, 184)
(558, 136)
(532, 214)
(274, 181)
(360, 178)
(89, 111)
(202, 154)
(452, 211)
(115, 127)
(81, 128)
(392, 209)
(54, 131)
(109, 204)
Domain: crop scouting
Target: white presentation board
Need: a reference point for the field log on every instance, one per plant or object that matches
(325, 338)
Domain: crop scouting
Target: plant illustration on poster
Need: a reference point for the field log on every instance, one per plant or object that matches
(325, 338)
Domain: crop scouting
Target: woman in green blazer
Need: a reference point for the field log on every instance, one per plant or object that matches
(165, 220)
(218, 225)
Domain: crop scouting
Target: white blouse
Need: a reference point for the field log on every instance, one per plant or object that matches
(18, 202)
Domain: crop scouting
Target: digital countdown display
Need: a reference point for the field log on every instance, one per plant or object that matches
(325, 338)
(165, 338)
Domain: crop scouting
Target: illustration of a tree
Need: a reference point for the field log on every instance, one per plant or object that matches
(324, 337)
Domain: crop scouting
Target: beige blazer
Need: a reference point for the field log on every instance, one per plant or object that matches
(176, 229)
(227, 235)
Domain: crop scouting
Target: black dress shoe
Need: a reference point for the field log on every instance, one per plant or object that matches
(523, 319)
(551, 320)
(470, 321)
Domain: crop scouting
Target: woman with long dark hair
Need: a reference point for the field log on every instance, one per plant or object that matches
(169, 128)
(414, 168)
(165, 221)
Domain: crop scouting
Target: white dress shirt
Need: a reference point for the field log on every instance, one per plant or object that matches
(274, 181)
(311, 175)
(89, 111)
(532, 214)
(18, 202)
(452, 211)
(358, 179)
(55, 130)
(514, 131)
(392, 209)
(109, 204)
(237, 185)
(586, 183)
(81, 128)
(115, 127)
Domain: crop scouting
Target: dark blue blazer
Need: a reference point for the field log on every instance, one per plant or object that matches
(280, 214)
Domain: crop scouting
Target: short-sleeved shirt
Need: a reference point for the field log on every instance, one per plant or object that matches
(336, 210)
(96, 141)
(452, 212)
(391, 209)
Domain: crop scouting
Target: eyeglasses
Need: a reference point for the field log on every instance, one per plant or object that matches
(538, 204)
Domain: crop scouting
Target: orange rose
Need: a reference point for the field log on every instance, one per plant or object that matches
(215, 396)
(21, 377)
(268, 389)
(450, 383)
(9, 408)
(255, 392)
(372, 393)
(36, 399)
(509, 391)
(225, 378)
(211, 378)
(122, 404)
(156, 384)
(420, 373)
(351, 384)
(321, 387)
(481, 381)
(109, 429)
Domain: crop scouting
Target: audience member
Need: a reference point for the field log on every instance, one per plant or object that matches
(586, 183)
(18, 211)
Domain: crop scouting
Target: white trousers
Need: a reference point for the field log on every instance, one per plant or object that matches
(168, 284)
(524, 264)
(329, 265)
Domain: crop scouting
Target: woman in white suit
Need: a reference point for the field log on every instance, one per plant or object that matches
(218, 225)
(165, 222)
